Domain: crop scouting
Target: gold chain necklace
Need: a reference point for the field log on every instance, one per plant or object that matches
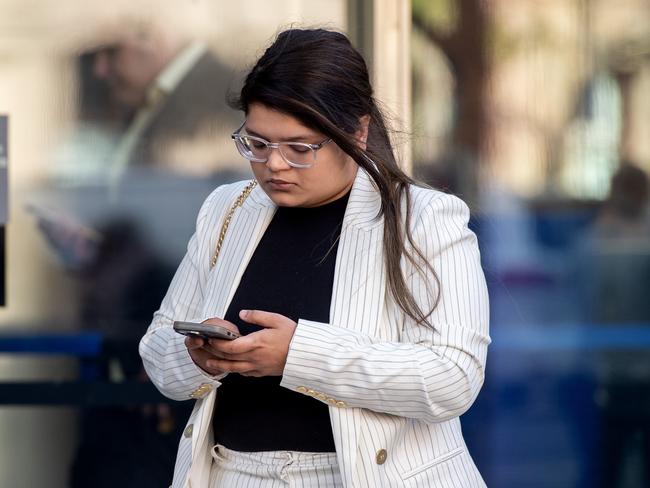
(238, 203)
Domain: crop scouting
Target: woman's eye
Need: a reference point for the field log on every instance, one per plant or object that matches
(301, 149)
(258, 145)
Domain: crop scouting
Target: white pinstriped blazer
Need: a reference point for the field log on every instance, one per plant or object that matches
(395, 389)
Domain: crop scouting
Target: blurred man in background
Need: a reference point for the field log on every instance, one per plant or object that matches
(164, 96)
(617, 275)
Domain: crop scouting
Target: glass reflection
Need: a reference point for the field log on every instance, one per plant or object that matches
(537, 115)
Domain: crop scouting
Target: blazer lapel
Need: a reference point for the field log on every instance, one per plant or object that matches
(358, 289)
(246, 228)
(357, 299)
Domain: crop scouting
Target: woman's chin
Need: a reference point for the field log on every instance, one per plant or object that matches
(284, 198)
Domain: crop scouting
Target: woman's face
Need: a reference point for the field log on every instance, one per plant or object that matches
(328, 179)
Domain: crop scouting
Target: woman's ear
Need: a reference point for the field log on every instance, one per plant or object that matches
(361, 135)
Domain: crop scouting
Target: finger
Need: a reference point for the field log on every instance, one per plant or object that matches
(226, 366)
(254, 373)
(220, 354)
(241, 345)
(201, 358)
(194, 342)
(222, 323)
(262, 318)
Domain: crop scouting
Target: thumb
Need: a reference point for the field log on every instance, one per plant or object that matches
(261, 318)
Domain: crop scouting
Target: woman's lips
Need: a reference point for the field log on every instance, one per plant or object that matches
(279, 184)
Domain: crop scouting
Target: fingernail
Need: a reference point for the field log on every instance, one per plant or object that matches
(243, 313)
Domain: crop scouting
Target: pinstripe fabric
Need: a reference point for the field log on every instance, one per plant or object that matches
(391, 384)
(275, 469)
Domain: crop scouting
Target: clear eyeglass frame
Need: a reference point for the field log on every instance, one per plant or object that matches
(242, 141)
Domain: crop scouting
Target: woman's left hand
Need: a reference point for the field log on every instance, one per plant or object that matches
(261, 353)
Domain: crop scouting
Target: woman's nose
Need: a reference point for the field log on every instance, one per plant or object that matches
(275, 161)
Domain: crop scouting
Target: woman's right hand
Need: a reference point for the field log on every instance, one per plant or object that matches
(200, 350)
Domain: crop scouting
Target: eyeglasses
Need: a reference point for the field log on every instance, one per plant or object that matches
(258, 150)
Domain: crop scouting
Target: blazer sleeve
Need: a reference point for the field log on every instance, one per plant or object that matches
(165, 357)
(428, 374)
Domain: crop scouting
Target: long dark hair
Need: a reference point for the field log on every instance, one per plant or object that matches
(318, 77)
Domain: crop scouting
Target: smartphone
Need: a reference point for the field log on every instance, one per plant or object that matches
(207, 331)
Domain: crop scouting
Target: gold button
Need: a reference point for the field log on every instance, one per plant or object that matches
(311, 392)
(188, 430)
(341, 404)
(202, 390)
(381, 456)
(301, 389)
(321, 396)
(331, 401)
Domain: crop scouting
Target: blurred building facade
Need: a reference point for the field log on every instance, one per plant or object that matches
(537, 114)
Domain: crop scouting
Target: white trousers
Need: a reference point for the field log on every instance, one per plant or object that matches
(273, 469)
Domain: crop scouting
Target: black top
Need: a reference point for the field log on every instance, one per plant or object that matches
(291, 273)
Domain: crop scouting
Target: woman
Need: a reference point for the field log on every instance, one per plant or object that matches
(359, 295)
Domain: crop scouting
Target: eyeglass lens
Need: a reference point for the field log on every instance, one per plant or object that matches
(293, 152)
